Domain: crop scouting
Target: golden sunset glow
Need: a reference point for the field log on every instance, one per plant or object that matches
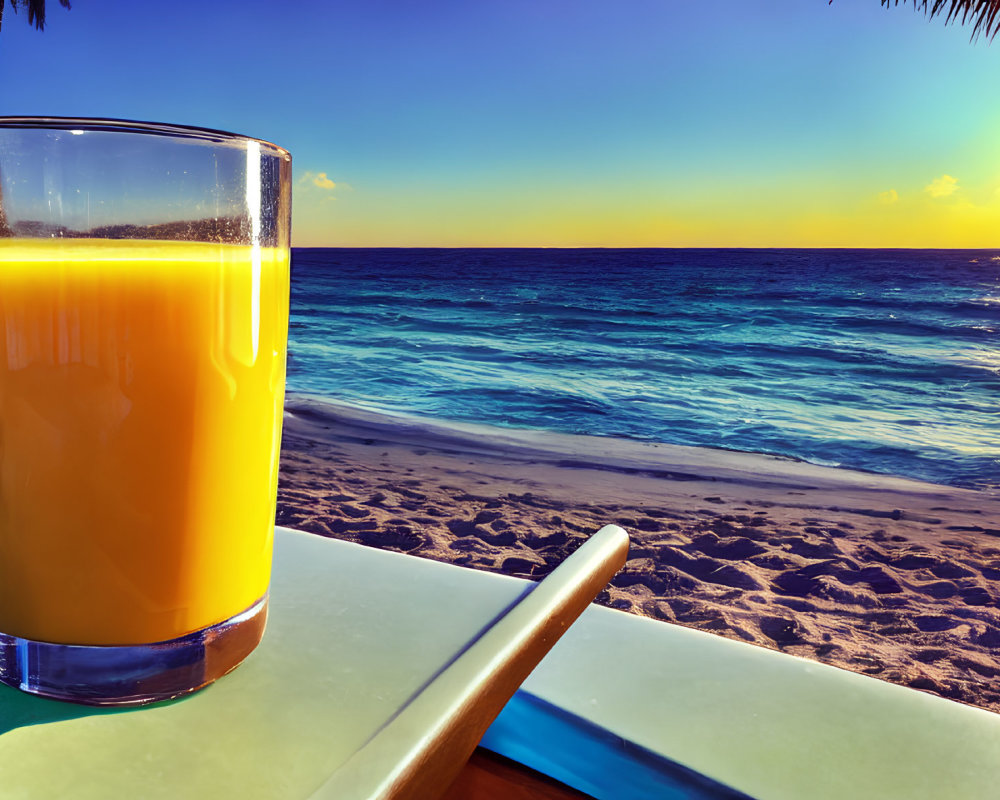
(527, 123)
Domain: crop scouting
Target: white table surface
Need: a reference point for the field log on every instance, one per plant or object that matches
(368, 660)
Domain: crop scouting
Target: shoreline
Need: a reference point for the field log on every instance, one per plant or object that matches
(650, 454)
(878, 574)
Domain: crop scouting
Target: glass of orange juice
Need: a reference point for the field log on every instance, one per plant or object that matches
(144, 281)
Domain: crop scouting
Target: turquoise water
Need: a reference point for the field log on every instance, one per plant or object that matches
(881, 360)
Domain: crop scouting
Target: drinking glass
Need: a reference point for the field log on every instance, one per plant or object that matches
(144, 280)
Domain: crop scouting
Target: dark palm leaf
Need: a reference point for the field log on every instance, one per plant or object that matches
(36, 10)
(983, 15)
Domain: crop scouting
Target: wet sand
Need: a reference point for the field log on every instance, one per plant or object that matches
(885, 576)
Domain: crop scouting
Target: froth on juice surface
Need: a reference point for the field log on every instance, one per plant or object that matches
(141, 392)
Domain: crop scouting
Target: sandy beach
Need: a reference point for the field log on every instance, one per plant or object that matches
(890, 577)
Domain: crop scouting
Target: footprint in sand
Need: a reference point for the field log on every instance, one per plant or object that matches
(933, 623)
(725, 575)
(816, 579)
(939, 590)
(537, 542)
(795, 604)
(525, 567)
(989, 637)
(807, 549)
(853, 595)
(914, 561)
(397, 537)
(983, 668)
(464, 527)
(779, 630)
(876, 577)
(407, 492)
(771, 561)
(798, 583)
(707, 569)
(950, 569)
(354, 511)
(361, 525)
(469, 545)
(724, 526)
(628, 578)
(732, 548)
(929, 655)
(498, 538)
(678, 582)
(975, 596)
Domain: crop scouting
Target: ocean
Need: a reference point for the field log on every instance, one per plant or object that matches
(880, 360)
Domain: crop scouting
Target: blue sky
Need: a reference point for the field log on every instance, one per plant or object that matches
(569, 122)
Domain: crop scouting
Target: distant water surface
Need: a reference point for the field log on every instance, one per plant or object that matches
(882, 360)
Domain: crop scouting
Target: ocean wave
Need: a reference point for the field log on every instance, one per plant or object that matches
(879, 360)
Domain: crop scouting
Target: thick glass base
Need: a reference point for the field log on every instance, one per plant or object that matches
(131, 674)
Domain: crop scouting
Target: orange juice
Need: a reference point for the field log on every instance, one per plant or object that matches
(141, 392)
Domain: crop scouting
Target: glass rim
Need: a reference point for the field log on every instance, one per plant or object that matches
(133, 126)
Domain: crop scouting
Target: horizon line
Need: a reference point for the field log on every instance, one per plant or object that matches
(618, 247)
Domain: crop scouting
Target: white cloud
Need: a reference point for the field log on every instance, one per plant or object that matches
(889, 197)
(322, 181)
(318, 179)
(942, 187)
